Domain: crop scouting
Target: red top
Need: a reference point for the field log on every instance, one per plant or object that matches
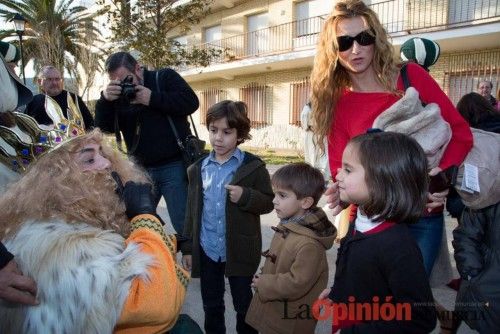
(356, 112)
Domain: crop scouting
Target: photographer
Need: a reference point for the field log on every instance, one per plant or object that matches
(132, 103)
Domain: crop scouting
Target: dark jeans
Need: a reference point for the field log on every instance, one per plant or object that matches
(212, 295)
(170, 181)
(428, 232)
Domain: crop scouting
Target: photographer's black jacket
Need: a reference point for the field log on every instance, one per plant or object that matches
(157, 144)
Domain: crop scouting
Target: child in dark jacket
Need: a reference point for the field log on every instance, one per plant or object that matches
(228, 191)
(476, 241)
(296, 268)
(379, 267)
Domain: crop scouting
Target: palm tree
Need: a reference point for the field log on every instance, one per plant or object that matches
(57, 33)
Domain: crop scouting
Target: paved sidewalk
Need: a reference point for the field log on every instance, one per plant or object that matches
(193, 305)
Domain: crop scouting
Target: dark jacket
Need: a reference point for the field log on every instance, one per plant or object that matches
(382, 264)
(490, 123)
(36, 108)
(295, 271)
(492, 100)
(5, 256)
(157, 144)
(243, 235)
(477, 253)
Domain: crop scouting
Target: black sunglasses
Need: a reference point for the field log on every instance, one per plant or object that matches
(364, 38)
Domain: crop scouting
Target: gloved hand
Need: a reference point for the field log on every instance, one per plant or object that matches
(138, 197)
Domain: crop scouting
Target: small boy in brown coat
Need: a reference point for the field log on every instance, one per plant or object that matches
(296, 269)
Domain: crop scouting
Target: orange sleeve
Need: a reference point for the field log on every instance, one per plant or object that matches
(152, 306)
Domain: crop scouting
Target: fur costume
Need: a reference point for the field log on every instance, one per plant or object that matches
(89, 280)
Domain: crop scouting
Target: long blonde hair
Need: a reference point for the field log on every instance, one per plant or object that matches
(54, 187)
(329, 78)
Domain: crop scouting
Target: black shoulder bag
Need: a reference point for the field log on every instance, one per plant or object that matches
(192, 147)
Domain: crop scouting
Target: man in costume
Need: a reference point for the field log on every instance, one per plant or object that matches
(81, 222)
(55, 104)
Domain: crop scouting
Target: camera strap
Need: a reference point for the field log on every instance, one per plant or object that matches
(171, 122)
(137, 134)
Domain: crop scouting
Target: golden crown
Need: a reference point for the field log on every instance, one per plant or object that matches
(24, 142)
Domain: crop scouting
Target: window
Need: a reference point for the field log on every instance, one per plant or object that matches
(301, 15)
(465, 10)
(255, 96)
(258, 35)
(307, 24)
(212, 37)
(300, 93)
(466, 70)
(213, 34)
(394, 14)
(209, 97)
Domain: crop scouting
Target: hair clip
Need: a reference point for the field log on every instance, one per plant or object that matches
(374, 130)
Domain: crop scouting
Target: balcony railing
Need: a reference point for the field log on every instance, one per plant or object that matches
(403, 16)
(398, 17)
(273, 40)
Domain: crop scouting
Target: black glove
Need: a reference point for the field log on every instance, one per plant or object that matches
(138, 197)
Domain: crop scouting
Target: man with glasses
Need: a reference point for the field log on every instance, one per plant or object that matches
(54, 102)
(484, 88)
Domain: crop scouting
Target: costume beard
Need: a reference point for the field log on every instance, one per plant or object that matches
(96, 203)
(74, 197)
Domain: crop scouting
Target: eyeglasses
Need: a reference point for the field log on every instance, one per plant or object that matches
(364, 38)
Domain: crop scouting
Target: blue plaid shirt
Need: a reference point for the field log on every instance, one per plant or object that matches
(214, 177)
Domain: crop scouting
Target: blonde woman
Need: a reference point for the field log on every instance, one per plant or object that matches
(355, 78)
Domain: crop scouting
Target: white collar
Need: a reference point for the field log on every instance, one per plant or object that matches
(363, 223)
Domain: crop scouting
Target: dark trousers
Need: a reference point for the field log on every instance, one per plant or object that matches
(212, 295)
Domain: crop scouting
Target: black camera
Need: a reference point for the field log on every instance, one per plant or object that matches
(128, 88)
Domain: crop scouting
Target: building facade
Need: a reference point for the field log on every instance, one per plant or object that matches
(268, 47)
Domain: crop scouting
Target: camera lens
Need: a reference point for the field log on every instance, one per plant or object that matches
(128, 88)
(128, 92)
